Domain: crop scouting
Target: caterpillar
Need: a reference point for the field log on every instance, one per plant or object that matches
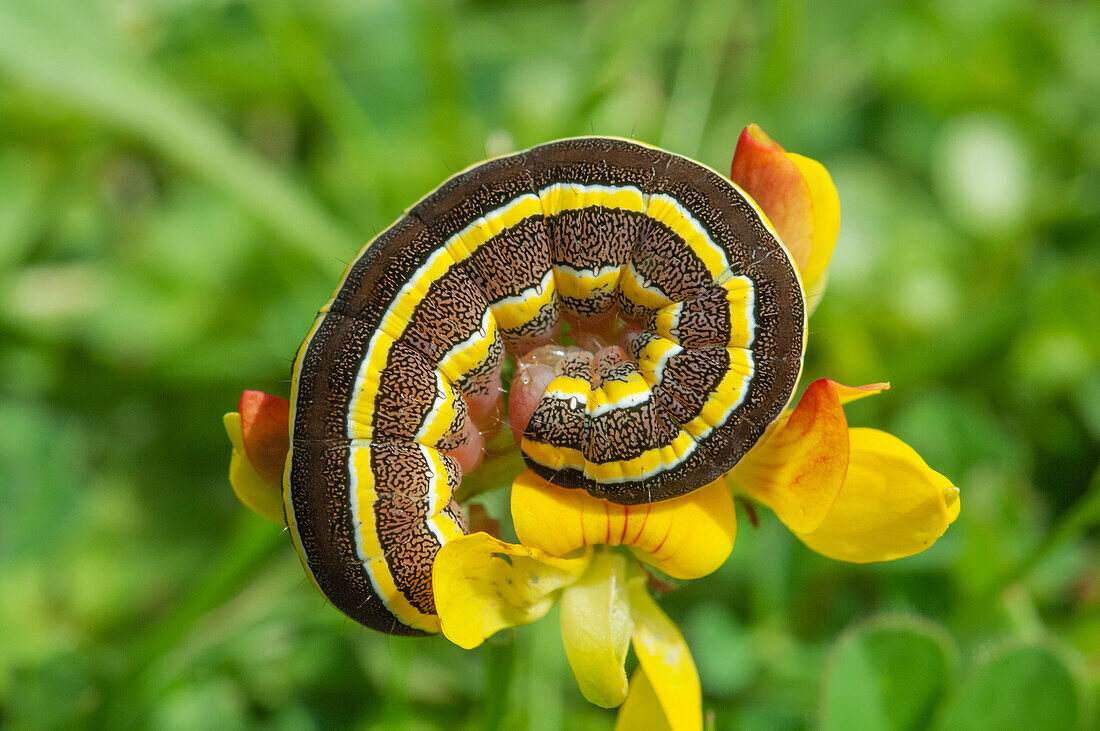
(623, 242)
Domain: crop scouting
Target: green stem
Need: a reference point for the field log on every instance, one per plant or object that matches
(500, 665)
(543, 672)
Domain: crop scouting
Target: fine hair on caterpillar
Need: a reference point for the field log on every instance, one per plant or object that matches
(686, 326)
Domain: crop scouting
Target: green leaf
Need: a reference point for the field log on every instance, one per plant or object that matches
(886, 674)
(1026, 687)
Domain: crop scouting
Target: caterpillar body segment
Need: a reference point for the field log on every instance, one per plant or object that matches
(640, 246)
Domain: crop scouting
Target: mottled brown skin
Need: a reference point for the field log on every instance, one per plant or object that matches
(401, 479)
(589, 238)
(407, 393)
(452, 310)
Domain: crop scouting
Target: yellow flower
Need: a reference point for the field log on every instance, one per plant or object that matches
(851, 494)
(855, 495)
(568, 553)
(797, 195)
(258, 431)
(685, 537)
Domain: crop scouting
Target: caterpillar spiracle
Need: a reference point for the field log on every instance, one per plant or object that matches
(659, 254)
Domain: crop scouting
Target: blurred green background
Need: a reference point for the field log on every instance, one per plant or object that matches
(182, 182)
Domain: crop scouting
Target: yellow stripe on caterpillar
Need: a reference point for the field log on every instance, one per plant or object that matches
(464, 243)
(581, 284)
(572, 196)
(729, 394)
(442, 415)
(613, 395)
(647, 464)
(654, 357)
(512, 313)
(638, 290)
(670, 212)
(467, 356)
(573, 390)
(363, 497)
(552, 456)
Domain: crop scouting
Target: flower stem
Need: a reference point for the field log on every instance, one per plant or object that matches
(500, 664)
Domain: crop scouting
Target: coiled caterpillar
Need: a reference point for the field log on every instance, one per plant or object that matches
(614, 237)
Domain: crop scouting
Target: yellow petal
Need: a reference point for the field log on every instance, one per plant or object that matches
(848, 394)
(796, 194)
(689, 536)
(642, 710)
(798, 468)
(825, 202)
(256, 494)
(664, 656)
(266, 434)
(765, 171)
(686, 537)
(892, 504)
(816, 293)
(595, 628)
(483, 584)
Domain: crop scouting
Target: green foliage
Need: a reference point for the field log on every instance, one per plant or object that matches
(900, 673)
(181, 184)
(886, 675)
(1023, 688)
